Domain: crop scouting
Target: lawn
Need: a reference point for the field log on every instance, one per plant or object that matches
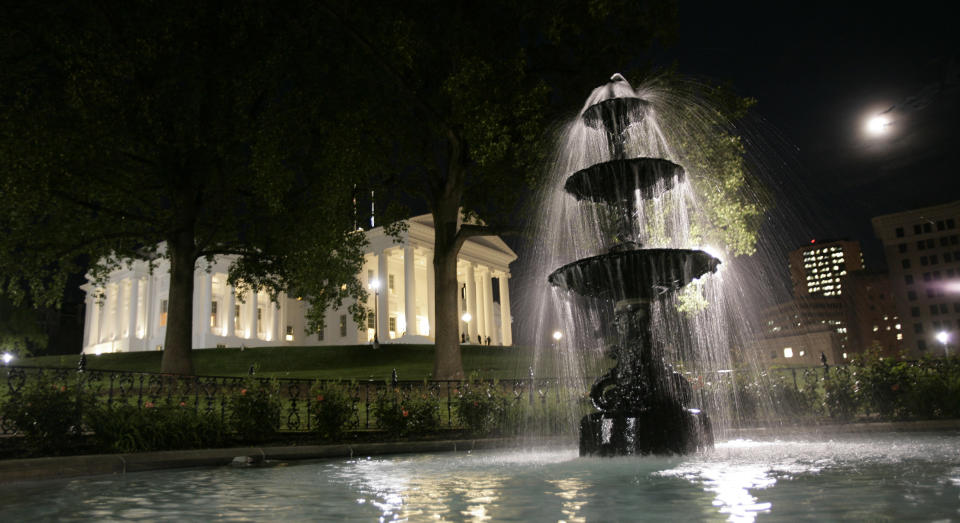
(413, 362)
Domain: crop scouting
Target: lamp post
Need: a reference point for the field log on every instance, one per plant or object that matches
(375, 285)
(557, 335)
(943, 337)
(466, 318)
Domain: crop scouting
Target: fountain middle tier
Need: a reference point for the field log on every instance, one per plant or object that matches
(633, 274)
(617, 182)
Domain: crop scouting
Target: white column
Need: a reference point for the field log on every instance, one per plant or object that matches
(252, 322)
(118, 319)
(275, 327)
(506, 328)
(488, 305)
(149, 306)
(460, 298)
(472, 302)
(228, 314)
(431, 298)
(134, 298)
(89, 326)
(383, 302)
(409, 290)
(479, 316)
(205, 297)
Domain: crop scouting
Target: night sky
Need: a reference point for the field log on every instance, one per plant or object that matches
(818, 73)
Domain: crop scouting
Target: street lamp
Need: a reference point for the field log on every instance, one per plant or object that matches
(375, 285)
(557, 335)
(943, 337)
(7, 358)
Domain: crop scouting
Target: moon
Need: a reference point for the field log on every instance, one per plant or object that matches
(878, 124)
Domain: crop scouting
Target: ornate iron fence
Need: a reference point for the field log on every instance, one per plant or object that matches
(212, 394)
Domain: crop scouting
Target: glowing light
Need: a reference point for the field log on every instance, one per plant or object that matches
(289, 337)
(557, 335)
(374, 284)
(878, 124)
(788, 352)
(7, 358)
(942, 337)
(466, 317)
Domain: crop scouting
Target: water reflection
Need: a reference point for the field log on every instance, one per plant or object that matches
(891, 477)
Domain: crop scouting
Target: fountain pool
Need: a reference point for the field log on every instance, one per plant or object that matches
(875, 476)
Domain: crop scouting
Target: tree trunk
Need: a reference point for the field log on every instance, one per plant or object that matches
(178, 342)
(447, 363)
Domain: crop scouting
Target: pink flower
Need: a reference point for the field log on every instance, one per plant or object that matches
(243, 392)
(319, 397)
(405, 413)
(148, 405)
(183, 404)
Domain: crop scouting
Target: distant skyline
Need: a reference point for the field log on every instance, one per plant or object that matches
(819, 74)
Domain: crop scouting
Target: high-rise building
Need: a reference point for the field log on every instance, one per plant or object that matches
(922, 248)
(817, 269)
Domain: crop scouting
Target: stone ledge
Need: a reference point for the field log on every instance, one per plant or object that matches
(99, 464)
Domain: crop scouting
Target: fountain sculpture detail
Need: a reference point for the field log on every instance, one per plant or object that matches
(642, 402)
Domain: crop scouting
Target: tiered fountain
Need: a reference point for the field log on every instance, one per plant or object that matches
(643, 403)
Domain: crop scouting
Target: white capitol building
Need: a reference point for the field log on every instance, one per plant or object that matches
(132, 314)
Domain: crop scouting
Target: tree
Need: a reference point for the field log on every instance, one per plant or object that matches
(469, 93)
(199, 127)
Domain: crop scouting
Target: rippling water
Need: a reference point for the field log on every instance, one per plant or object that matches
(892, 476)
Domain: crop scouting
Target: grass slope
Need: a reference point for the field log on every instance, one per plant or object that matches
(413, 362)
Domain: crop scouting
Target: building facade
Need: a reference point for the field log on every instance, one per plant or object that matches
(129, 312)
(922, 248)
(872, 320)
(796, 332)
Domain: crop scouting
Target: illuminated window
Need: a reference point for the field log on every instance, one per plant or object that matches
(788, 352)
(393, 323)
(371, 321)
(289, 336)
(390, 282)
(213, 314)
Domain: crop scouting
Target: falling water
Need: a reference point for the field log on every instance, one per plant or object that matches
(700, 329)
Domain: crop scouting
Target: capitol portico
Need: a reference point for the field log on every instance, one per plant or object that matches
(131, 313)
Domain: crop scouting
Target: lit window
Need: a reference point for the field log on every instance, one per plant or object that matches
(788, 352)
(163, 312)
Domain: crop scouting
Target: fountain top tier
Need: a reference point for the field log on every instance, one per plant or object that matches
(614, 107)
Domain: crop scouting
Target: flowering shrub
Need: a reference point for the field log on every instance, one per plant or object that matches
(255, 410)
(127, 428)
(402, 412)
(332, 409)
(47, 413)
(482, 407)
